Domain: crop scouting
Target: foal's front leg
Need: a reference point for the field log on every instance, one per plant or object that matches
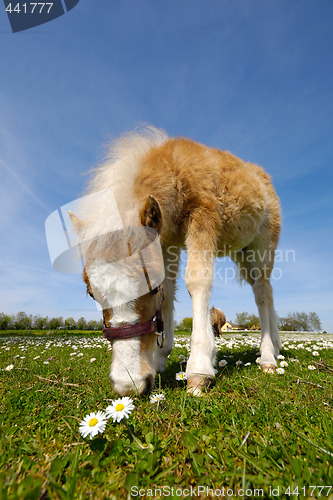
(171, 262)
(199, 278)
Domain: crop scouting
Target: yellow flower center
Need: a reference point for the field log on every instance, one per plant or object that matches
(92, 422)
(120, 407)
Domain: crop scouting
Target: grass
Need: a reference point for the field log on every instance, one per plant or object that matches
(266, 435)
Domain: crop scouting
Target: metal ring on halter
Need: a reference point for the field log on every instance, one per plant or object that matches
(162, 336)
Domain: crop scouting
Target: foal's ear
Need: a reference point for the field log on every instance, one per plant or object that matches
(78, 223)
(151, 214)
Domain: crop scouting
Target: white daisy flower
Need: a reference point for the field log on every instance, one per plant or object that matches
(311, 367)
(119, 409)
(315, 353)
(180, 376)
(258, 361)
(156, 398)
(92, 424)
(247, 364)
(92, 360)
(280, 356)
(239, 362)
(9, 368)
(223, 362)
(36, 357)
(284, 363)
(280, 371)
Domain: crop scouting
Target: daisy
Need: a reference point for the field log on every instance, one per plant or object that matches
(156, 398)
(223, 362)
(283, 363)
(119, 409)
(36, 357)
(258, 361)
(280, 371)
(247, 364)
(239, 362)
(315, 353)
(180, 376)
(92, 360)
(311, 367)
(280, 356)
(9, 367)
(92, 424)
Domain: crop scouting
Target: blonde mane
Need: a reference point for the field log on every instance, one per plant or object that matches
(109, 202)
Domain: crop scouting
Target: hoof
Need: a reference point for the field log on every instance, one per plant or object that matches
(196, 385)
(268, 368)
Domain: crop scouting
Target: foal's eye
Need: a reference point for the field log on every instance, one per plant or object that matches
(154, 291)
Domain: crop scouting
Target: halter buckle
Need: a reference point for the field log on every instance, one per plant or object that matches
(160, 335)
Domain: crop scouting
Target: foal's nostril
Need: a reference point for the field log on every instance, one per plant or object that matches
(149, 383)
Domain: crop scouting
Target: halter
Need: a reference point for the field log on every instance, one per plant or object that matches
(156, 326)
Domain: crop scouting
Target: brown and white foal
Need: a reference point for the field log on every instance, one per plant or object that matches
(201, 199)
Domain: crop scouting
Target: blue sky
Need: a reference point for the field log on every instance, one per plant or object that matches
(252, 77)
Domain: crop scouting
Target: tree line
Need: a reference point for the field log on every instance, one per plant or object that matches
(293, 322)
(23, 321)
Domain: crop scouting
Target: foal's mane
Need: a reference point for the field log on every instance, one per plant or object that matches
(112, 183)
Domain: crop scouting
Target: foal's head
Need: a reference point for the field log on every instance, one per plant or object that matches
(124, 272)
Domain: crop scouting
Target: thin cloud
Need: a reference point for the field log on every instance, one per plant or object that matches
(24, 185)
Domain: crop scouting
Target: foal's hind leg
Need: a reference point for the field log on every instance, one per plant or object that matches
(255, 267)
(198, 279)
(263, 294)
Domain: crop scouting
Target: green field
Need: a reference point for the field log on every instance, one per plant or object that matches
(253, 435)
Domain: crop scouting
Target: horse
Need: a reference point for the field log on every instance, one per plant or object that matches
(217, 318)
(194, 197)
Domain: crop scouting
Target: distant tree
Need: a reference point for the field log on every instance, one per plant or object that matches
(254, 322)
(247, 321)
(55, 323)
(300, 322)
(314, 322)
(287, 324)
(186, 324)
(81, 324)
(5, 321)
(22, 321)
(94, 325)
(70, 324)
(39, 322)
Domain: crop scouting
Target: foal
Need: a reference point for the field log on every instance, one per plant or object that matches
(205, 201)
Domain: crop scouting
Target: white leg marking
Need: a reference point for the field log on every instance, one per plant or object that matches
(198, 278)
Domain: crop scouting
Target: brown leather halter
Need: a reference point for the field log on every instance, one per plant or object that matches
(156, 326)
